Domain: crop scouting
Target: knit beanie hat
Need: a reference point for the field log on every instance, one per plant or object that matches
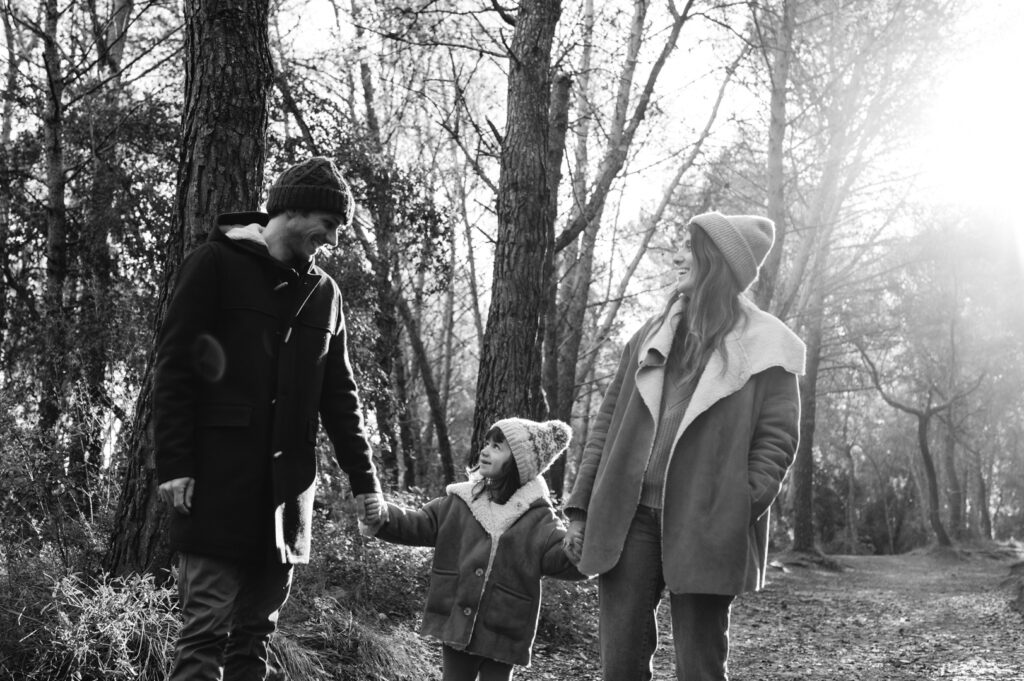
(314, 184)
(535, 446)
(744, 241)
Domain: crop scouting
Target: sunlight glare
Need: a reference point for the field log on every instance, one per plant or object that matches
(973, 149)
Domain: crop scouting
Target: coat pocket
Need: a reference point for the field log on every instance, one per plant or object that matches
(509, 612)
(441, 594)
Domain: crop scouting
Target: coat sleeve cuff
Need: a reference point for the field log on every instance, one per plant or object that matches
(573, 514)
(364, 484)
(172, 470)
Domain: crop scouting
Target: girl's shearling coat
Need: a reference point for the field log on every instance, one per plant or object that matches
(485, 578)
(736, 441)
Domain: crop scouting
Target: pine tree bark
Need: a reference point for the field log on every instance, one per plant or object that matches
(228, 75)
(509, 380)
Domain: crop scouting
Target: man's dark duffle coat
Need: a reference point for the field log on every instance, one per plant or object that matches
(250, 353)
(485, 579)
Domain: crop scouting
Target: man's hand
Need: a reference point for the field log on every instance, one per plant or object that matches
(572, 543)
(371, 509)
(177, 494)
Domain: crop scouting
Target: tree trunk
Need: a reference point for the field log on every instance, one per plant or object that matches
(782, 52)
(8, 99)
(96, 263)
(803, 465)
(556, 148)
(408, 425)
(852, 545)
(931, 479)
(981, 501)
(228, 75)
(954, 490)
(54, 360)
(983, 516)
(387, 345)
(437, 408)
(509, 380)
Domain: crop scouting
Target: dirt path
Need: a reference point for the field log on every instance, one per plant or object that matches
(884, 618)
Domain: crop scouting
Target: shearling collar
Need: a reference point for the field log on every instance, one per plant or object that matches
(760, 342)
(252, 232)
(246, 230)
(496, 518)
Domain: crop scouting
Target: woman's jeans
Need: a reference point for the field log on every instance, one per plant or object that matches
(629, 597)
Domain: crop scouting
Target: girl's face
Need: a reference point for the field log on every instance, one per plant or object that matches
(493, 457)
(686, 268)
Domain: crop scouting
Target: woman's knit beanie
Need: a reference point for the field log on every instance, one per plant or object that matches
(314, 184)
(744, 241)
(535, 446)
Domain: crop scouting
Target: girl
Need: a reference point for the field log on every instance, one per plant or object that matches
(688, 451)
(494, 536)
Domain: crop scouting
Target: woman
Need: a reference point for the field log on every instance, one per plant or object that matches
(690, 447)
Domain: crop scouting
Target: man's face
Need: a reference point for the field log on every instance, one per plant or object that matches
(306, 233)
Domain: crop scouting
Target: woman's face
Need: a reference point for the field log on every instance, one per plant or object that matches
(686, 268)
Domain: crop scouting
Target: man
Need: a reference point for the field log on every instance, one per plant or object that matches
(252, 350)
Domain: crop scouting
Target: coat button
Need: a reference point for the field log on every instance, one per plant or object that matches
(467, 611)
(479, 572)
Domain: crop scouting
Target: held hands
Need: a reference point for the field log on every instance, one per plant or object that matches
(371, 512)
(177, 494)
(572, 544)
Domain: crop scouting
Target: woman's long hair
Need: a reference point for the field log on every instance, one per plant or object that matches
(501, 488)
(713, 308)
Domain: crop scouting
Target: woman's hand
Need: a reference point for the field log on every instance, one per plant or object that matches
(572, 543)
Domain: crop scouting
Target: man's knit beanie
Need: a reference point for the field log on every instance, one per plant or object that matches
(314, 184)
(744, 241)
(535, 446)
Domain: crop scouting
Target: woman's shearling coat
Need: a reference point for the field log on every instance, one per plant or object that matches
(737, 439)
(485, 578)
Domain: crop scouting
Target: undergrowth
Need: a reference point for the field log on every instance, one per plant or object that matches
(353, 611)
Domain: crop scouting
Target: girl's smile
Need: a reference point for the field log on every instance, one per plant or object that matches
(493, 457)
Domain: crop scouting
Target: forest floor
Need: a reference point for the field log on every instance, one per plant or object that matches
(924, 615)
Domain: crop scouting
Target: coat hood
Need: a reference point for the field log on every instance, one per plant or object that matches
(245, 231)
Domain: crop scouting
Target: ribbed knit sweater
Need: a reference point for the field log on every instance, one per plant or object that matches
(675, 397)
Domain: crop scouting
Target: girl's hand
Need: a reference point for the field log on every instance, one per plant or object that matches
(572, 544)
(370, 529)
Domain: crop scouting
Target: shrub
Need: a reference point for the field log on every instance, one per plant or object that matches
(568, 613)
(108, 628)
(335, 642)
